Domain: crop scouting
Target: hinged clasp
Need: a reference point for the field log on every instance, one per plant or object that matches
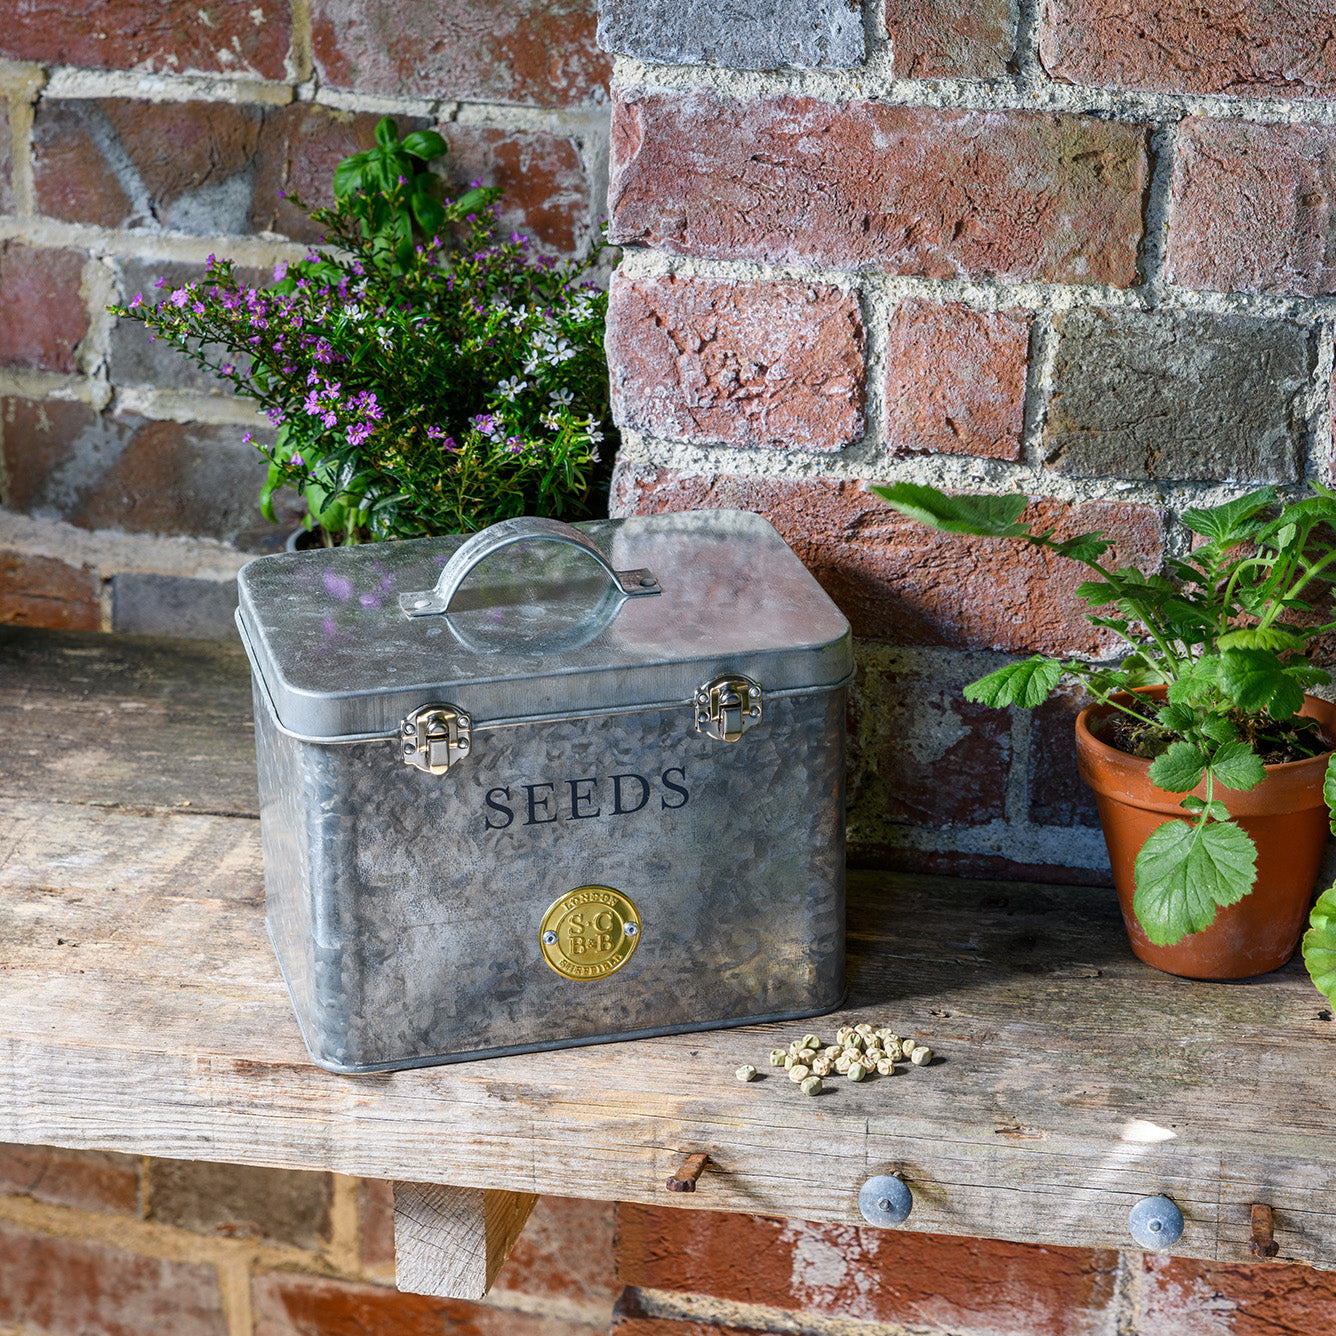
(727, 707)
(435, 737)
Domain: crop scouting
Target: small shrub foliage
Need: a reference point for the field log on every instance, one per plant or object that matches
(1227, 630)
(425, 373)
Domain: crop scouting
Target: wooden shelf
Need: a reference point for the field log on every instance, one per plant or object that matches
(141, 1010)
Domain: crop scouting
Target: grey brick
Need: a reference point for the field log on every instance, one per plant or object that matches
(1165, 396)
(746, 35)
(138, 359)
(173, 605)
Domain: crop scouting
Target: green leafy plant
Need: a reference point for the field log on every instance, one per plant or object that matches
(426, 372)
(1227, 631)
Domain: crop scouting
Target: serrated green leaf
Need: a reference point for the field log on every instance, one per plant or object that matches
(1086, 547)
(1026, 684)
(1255, 680)
(1319, 944)
(1179, 769)
(1237, 766)
(1219, 729)
(1275, 638)
(1217, 810)
(1176, 718)
(982, 516)
(1185, 872)
(1228, 523)
(1096, 592)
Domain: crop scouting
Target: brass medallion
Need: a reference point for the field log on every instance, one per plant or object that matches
(589, 933)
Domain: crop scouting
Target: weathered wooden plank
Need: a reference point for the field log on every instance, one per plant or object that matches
(141, 1010)
(452, 1241)
(126, 721)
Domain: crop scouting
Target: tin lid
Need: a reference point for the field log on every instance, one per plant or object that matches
(346, 644)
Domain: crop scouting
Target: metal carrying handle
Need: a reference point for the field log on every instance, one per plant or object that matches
(480, 546)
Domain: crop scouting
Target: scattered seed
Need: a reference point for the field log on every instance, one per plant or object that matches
(811, 1085)
(746, 1072)
(799, 1073)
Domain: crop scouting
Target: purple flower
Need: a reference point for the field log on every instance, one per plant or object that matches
(280, 270)
(297, 461)
(180, 297)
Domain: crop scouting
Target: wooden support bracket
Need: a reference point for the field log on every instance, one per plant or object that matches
(451, 1242)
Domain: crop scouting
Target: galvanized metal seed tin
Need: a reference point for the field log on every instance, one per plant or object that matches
(549, 785)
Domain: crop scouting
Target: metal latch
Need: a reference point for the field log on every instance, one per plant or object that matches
(435, 737)
(727, 707)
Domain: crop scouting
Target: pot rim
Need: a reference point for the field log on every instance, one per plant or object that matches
(1105, 767)
(1325, 715)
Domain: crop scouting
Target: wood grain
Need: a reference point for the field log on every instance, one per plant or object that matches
(141, 1010)
(452, 1241)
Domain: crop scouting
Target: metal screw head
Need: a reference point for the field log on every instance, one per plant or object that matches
(1156, 1223)
(550, 938)
(885, 1200)
(409, 749)
(630, 929)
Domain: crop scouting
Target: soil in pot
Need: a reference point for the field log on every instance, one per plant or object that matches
(1286, 817)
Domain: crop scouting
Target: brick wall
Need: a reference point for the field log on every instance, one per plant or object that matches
(1075, 248)
(1069, 247)
(138, 137)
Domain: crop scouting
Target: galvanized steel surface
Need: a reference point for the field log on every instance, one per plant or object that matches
(405, 908)
(538, 632)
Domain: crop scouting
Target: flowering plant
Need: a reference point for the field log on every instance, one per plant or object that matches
(425, 373)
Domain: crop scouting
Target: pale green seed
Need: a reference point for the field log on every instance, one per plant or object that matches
(921, 1056)
(811, 1085)
(746, 1072)
(777, 1056)
(856, 1071)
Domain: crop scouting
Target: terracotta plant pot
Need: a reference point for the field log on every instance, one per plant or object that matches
(1287, 819)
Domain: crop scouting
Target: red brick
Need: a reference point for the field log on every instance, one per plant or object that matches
(1058, 796)
(865, 185)
(1252, 207)
(241, 1201)
(955, 380)
(565, 1252)
(67, 1287)
(300, 146)
(289, 1305)
(44, 312)
(536, 52)
(119, 471)
(166, 36)
(755, 364)
(375, 1215)
(929, 757)
(88, 1179)
(899, 582)
(631, 1319)
(177, 149)
(939, 39)
(548, 191)
(41, 591)
(1251, 1299)
(928, 1280)
(1279, 49)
